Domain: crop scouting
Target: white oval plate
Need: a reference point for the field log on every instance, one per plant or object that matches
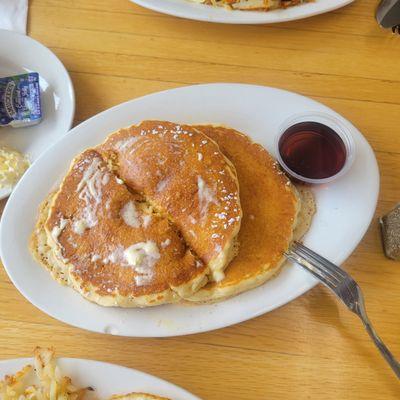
(201, 12)
(20, 54)
(107, 379)
(345, 209)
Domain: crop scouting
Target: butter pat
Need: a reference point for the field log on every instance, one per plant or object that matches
(20, 104)
(142, 253)
(12, 166)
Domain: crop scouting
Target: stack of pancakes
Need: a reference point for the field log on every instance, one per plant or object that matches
(161, 213)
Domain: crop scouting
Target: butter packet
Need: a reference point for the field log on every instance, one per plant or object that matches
(20, 104)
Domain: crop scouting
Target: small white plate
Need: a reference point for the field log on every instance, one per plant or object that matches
(107, 379)
(20, 54)
(345, 209)
(201, 12)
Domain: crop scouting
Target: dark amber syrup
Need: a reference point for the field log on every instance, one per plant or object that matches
(312, 150)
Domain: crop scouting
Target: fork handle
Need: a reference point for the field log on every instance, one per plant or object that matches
(395, 365)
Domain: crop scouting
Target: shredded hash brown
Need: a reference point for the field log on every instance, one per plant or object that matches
(44, 381)
(49, 385)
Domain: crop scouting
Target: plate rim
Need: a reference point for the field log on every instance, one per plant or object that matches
(71, 91)
(103, 364)
(254, 18)
(193, 330)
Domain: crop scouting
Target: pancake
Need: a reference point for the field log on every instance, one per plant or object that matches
(108, 243)
(184, 175)
(273, 211)
(253, 5)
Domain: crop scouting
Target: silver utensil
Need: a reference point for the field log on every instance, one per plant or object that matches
(345, 287)
(388, 15)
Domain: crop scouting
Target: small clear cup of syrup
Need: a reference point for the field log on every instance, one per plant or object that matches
(315, 147)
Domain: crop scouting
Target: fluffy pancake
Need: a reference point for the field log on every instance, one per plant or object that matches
(107, 243)
(272, 212)
(184, 175)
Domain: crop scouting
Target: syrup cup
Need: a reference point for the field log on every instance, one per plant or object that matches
(339, 127)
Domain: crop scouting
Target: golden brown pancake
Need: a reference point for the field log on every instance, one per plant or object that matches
(185, 176)
(270, 205)
(106, 242)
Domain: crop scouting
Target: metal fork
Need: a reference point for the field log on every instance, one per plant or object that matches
(345, 287)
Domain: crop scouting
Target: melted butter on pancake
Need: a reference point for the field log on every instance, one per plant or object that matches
(80, 226)
(130, 215)
(206, 196)
(57, 229)
(142, 257)
(90, 189)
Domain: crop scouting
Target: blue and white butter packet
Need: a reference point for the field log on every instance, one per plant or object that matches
(20, 104)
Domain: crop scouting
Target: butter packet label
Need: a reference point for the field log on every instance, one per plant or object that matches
(20, 100)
